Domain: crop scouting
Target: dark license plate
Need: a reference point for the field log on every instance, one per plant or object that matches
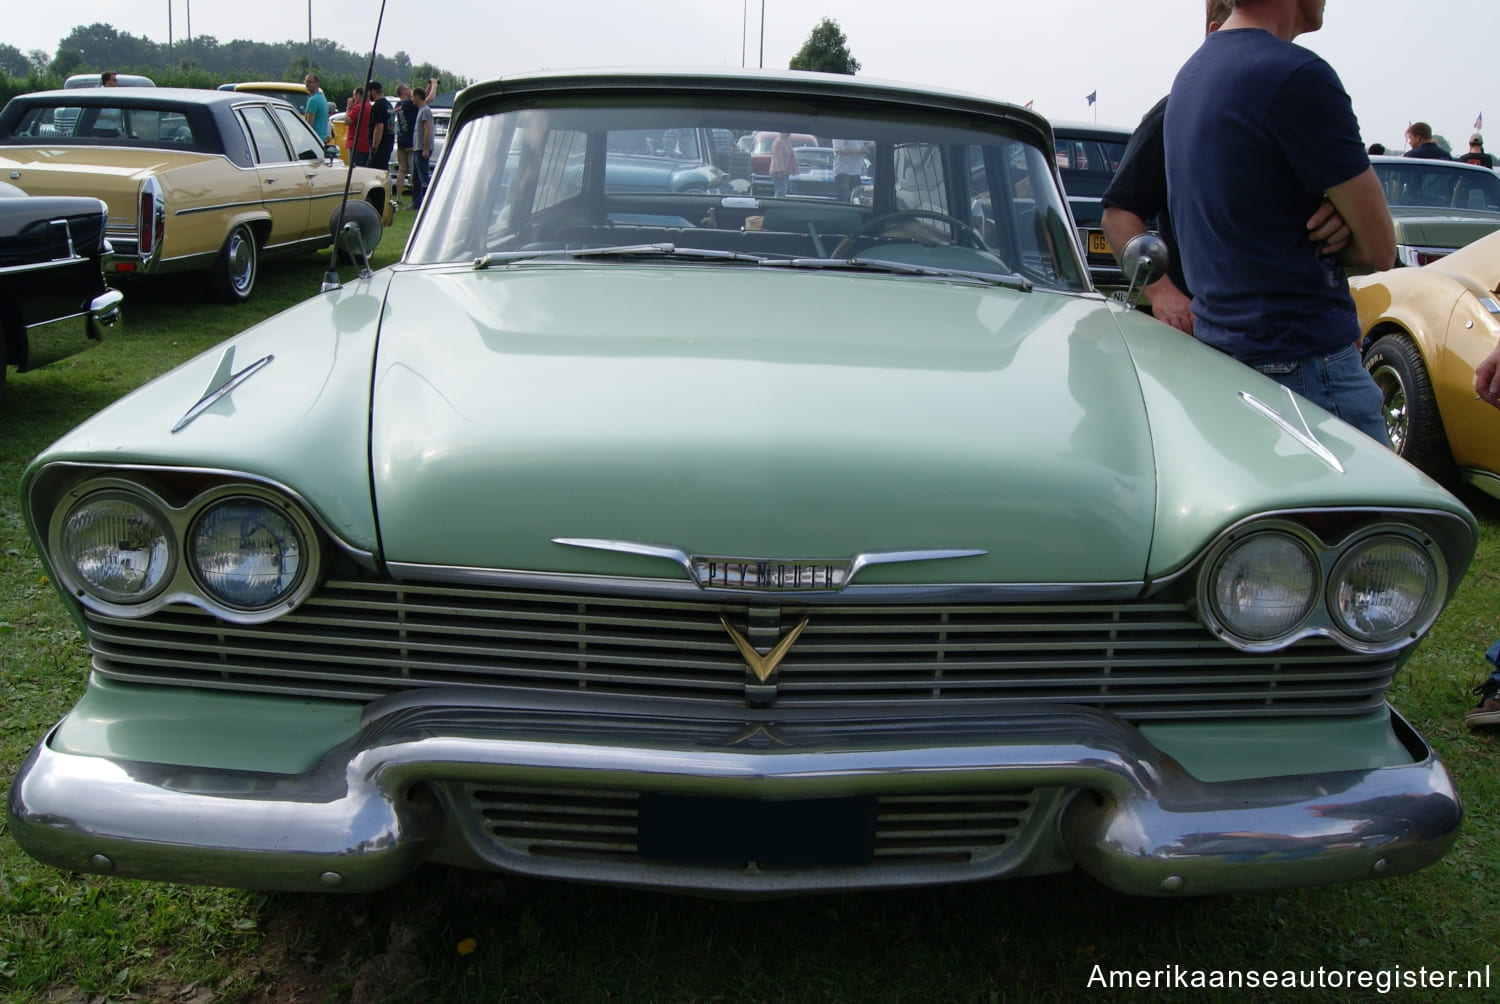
(1099, 244)
(701, 828)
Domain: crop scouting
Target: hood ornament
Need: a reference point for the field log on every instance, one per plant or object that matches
(763, 666)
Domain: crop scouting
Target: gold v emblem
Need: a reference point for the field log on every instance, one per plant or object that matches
(763, 665)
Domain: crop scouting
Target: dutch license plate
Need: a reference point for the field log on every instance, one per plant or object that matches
(1099, 244)
(815, 831)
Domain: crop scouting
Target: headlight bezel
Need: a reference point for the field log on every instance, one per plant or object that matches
(302, 526)
(67, 568)
(182, 584)
(1332, 558)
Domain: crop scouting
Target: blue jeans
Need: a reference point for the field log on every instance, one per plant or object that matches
(1337, 383)
(420, 172)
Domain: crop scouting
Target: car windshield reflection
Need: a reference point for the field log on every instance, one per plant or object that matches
(943, 197)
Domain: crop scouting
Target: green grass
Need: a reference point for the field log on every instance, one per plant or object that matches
(1027, 940)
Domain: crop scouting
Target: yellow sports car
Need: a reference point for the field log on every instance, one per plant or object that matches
(1425, 329)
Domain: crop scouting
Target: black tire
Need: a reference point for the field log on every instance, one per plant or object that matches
(4, 362)
(238, 265)
(1412, 421)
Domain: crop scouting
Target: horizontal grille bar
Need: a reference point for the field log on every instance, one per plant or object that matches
(364, 640)
(602, 824)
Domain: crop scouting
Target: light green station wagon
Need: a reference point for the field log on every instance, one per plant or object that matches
(736, 544)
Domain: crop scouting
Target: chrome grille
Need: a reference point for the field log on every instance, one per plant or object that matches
(363, 640)
(601, 825)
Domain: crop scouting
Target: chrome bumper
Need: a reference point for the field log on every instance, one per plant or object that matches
(360, 820)
(104, 310)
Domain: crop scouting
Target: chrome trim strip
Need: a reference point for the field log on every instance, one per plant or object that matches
(1303, 435)
(1486, 481)
(619, 585)
(224, 381)
(359, 821)
(41, 266)
(754, 573)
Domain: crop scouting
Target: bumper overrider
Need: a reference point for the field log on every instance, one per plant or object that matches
(380, 804)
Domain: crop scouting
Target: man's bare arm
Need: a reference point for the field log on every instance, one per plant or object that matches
(1487, 378)
(1168, 303)
(1327, 228)
(1372, 235)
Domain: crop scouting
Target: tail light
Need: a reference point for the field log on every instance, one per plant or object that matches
(151, 221)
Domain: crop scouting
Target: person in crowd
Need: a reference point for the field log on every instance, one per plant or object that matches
(1487, 386)
(1138, 193)
(406, 119)
(1476, 154)
(109, 79)
(1377, 149)
(1419, 138)
(382, 135)
(422, 135)
(356, 135)
(1244, 178)
(317, 106)
(783, 163)
(849, 165)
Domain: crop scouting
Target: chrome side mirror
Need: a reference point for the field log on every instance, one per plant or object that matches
(1144, 260)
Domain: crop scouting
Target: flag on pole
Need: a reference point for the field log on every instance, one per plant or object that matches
(1094, 96)
(1479, 121)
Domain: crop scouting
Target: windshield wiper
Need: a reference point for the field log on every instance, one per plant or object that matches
(619, 251)
(904, 268)
(708, 254)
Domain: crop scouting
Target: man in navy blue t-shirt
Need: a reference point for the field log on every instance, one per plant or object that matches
(1258, 131)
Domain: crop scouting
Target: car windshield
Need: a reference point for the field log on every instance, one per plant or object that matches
(935, 193)
(1428, 183)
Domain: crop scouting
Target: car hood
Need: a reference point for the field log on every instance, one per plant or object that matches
(767, 415)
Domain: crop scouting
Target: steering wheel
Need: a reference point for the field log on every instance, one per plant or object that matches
(880, 224)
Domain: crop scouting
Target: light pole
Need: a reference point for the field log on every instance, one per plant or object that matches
(169, 31)
(762, 34)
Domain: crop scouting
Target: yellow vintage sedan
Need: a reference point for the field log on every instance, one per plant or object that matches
(1425, 330)
(195, 180)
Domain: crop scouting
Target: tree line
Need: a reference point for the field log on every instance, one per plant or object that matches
(207, 62)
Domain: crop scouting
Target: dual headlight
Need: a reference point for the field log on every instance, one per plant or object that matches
(240, 551)
(1378, 589)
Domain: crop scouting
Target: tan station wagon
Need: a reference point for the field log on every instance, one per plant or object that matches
(194, 180)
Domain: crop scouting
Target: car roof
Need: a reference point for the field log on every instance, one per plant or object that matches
(1456, 165)
(1091, 130)
(694, 84)
(140, 95)
(271, 85)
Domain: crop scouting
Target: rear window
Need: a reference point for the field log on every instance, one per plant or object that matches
(151, 126)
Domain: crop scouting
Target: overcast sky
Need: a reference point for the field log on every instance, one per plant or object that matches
(1400, 60)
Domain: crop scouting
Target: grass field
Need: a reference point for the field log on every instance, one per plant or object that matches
(449, 936)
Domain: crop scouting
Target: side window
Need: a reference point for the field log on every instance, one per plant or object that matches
(305, 145)
(920, 183)
(560, 176)
(266, 140)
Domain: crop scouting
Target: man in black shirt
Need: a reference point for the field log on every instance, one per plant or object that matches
(1419, 136)
(1138, 194)
(382, 135)
(1476, 154)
